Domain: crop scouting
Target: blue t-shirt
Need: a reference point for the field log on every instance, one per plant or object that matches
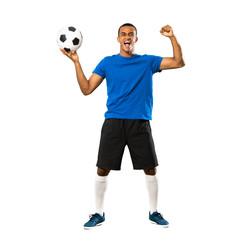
(129, 85)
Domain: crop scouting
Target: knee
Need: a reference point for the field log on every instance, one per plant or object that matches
(151, 171)
(102, 172)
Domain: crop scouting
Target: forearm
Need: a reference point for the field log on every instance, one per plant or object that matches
(82, 81)
(177, 51)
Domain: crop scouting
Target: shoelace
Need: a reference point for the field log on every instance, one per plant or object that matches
(93, 217)
(158, 215)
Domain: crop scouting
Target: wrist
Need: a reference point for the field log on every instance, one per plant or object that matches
(171, 37)
(76, 62)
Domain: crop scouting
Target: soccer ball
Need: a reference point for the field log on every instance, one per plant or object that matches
(69, 38)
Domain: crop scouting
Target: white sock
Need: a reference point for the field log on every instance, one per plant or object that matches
(152, 187)
(100, 188)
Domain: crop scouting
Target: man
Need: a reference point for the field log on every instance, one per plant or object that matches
(130, 101)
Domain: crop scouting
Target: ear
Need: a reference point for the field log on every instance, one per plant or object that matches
(118, 39)
(136, 39)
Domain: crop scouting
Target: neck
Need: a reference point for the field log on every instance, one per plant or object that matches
(127, 54)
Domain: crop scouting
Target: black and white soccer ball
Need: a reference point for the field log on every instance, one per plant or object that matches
(69, 38)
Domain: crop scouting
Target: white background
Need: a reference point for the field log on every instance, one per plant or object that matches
(50, 131)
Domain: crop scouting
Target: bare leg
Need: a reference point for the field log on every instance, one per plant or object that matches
(151, 171)
(102, 172)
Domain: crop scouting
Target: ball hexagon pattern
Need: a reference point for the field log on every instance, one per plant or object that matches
(69, 38)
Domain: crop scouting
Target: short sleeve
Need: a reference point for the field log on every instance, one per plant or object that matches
(155, 63)
(100, 69)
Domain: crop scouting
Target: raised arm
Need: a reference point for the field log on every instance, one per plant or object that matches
(86, 86)
(177, 60)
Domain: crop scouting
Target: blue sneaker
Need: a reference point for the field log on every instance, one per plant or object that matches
(158, 219)
(95, 220)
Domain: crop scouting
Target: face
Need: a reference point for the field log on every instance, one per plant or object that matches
(127, 39)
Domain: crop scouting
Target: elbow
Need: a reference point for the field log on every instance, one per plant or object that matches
(86, 91)
(181, 63)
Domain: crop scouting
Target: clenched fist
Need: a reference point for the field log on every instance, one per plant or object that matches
(167, 31)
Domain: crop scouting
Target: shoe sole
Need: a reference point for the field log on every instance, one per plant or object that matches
(163, 226)
(89, 228)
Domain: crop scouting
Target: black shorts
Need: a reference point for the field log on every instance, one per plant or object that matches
(136, 134)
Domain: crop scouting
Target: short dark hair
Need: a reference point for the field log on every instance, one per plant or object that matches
(127, 24)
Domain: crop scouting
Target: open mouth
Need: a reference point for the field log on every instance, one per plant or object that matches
(127, 43)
